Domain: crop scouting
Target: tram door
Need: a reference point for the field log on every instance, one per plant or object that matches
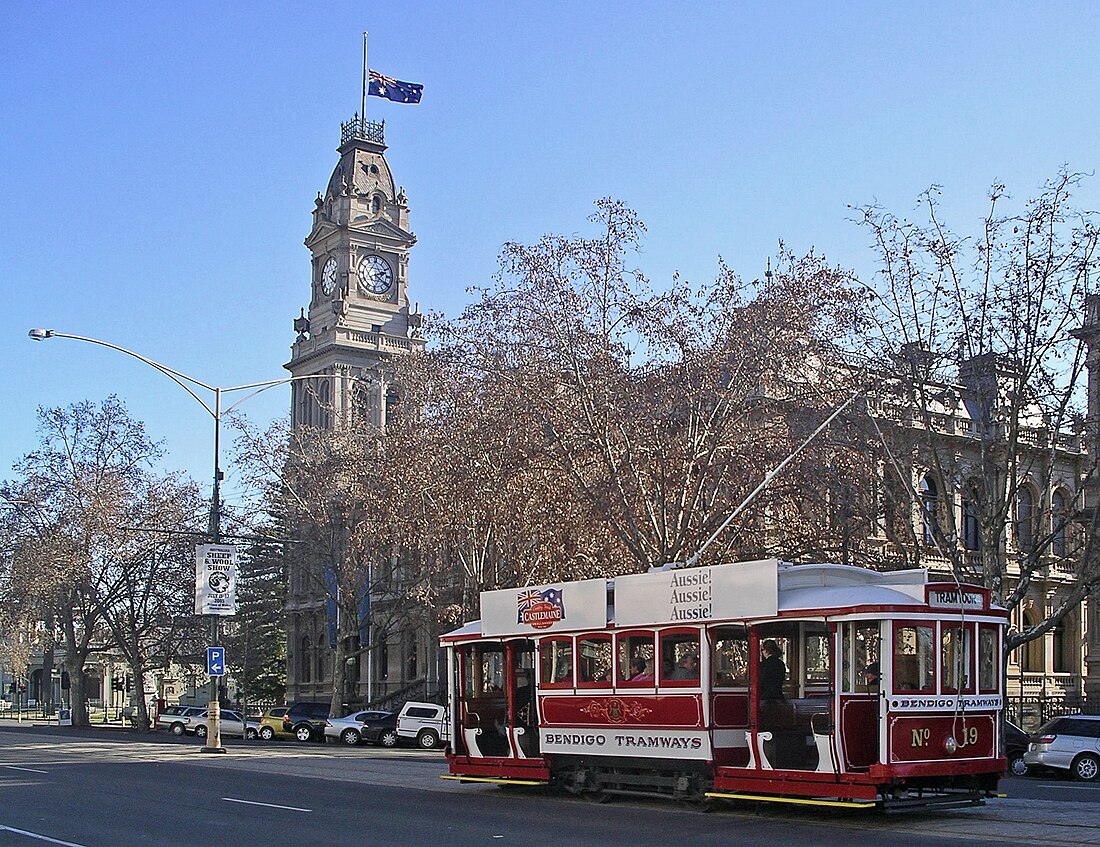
(523, 724)
(860, 700)
(498, 717)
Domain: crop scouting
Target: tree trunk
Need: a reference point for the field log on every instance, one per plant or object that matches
(141, 708)
(45, 693)
(76, 654)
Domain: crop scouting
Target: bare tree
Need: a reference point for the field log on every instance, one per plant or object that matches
(74, 491)
(147, 590)
(659, 413)
(980, 330)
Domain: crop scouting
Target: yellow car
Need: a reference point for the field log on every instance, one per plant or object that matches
(271, 724)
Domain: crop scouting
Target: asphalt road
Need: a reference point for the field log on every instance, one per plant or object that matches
(112, 790)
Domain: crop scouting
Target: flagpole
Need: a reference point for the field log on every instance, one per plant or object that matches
(363, 108)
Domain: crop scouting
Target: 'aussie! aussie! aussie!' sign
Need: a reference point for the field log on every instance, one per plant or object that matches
(545, 608)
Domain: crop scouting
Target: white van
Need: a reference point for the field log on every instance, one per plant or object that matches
(425, 722)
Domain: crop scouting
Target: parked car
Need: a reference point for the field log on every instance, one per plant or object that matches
(271, 723)
(192, 720)
(232, 723)
(1016, 742)
(381, 730)
(1070, 743)
(349, 729)
(305, 720)
(178, 719)
(425, 722)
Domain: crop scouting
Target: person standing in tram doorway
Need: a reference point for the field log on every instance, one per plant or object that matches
(773, 673)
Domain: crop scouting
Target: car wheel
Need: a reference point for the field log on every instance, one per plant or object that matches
(350, 737)
(1017, 766)
(250, 733)
(1086, 768)
(388, 738)
(200, 730)
(303, 733)
(267, 733)
(177, 729)
(427, 739)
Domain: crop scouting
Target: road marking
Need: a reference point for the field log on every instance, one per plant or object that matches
(269, 805)
(28, 770)
(39, 837)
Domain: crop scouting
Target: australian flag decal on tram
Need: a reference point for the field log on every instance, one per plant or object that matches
(540, 609)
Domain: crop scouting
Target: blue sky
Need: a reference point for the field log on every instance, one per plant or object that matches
(160, 160)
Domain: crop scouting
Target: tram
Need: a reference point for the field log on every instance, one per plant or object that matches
(888, 690)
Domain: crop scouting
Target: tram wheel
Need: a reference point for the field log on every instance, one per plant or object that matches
(1086, 768)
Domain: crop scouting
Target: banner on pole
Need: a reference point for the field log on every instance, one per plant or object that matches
(215, 579)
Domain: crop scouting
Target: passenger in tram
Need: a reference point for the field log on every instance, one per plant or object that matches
(640, 671)
(872, 676)
(688, 667)
(773, 673)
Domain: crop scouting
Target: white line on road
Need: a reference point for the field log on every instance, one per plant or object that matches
(28, 770)
(269, 805)
(39, 837)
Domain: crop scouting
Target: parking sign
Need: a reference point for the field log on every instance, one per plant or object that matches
(215, 661)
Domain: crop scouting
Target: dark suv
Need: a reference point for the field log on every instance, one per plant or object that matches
(306, 720)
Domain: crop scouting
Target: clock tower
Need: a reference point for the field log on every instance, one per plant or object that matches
(358, 323)
(359, 315)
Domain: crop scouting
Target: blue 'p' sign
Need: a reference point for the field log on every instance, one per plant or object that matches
(215, 661)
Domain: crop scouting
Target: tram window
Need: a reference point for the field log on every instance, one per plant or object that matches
(914, 658)
(484, 669)
(957, 658)
(989, 665)
(680, 657)
(556, 662)
(816, 662)
(636, 660)
(730, 659)
(595, 660)
(861, 651)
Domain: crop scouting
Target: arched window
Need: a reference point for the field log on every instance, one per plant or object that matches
(1059, 516)
(1025, 519)
(305, 661)
(929, 506)
(1061, 645)
(971, 535)
(376, 204)
(1031, 653)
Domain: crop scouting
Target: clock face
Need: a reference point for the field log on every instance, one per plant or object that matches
(375, 275)
(328, 277)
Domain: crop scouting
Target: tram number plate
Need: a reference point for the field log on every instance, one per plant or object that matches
(926, 738)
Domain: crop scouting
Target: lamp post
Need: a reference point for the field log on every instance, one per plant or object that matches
(193, 386)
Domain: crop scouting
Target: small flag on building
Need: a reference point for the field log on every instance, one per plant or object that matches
(394, 89)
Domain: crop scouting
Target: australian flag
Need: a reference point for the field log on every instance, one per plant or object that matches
(394, 89)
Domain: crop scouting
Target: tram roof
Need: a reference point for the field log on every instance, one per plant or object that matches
(813, 589)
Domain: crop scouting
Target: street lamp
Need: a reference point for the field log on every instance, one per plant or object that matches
(192, 386)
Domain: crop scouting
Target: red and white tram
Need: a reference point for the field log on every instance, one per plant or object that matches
(889, 692)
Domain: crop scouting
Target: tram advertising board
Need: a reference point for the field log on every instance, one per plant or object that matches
(698, 595)
(540, 609)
